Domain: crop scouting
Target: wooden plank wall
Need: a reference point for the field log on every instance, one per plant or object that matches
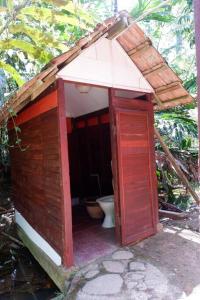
(90, 155)
(36, 176)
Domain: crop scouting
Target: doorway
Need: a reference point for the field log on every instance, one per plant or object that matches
(111, 125)
(89, 153)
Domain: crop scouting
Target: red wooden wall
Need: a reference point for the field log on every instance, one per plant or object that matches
(40, 175)
(36, 172)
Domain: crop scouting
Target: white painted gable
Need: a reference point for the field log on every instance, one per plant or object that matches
(105, 63)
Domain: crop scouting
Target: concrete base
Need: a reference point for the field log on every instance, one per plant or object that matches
(60, 276)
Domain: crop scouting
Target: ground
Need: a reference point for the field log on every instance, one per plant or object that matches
(21, 277)
(165, 266)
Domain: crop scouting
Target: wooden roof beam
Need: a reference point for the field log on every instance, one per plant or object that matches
(142, 47)
(168, 87)
(43, 87)
(176, 99)
(117, 28)
(157, 100)
(139, 49)
(155, 69)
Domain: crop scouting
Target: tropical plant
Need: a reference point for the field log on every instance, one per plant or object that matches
(172, 32)
(178, 128)
(32, 32)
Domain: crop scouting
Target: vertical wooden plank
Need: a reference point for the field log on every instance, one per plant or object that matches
(152, 165)
(114, 166)
(66, 209)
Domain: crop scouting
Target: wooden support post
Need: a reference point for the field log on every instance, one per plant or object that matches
(179, 172)
(65, 179)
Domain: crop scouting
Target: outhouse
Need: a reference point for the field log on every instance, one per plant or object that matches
(87, 131)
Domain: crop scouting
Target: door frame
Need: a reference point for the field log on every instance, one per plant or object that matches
(67, 255)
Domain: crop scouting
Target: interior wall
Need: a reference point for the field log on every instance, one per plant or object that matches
(90, 155)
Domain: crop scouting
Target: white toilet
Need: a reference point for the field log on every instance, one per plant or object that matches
(107, 205)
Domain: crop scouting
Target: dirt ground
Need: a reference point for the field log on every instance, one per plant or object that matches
(176, 253)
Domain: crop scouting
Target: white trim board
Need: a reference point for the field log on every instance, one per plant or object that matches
(37, 239)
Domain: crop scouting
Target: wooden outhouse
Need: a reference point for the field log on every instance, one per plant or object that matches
(87, 130)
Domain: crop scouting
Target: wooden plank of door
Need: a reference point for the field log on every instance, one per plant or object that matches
(132, 106)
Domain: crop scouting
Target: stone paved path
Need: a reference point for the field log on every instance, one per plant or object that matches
(119, 276)
(163, 267)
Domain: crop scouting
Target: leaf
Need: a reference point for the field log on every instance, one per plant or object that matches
(59, 3)
(50, 16)
(40, 38)
(161, 18)
(18, 141)
(17, 129)
(78, 11)
(9, 69)
(10, 5)
(26, 47)
(3, 9)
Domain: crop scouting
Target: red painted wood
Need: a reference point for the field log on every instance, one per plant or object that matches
(115, 168)
(69, 125)
(36, 176)
(66, 208)
(45, 104)
(92, 121)
(105, 118)
(135, 174)
(81, 124)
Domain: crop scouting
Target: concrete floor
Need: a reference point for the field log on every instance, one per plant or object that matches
(166, 266)
(90, 239)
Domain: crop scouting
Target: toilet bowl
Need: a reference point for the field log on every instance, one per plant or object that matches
(107, 205)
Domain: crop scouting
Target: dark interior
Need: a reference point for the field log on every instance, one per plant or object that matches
(90, 178)
(90, 156)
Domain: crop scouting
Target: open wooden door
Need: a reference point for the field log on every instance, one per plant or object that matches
(134, 173)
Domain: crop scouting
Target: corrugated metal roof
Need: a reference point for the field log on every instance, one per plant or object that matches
(167, 86)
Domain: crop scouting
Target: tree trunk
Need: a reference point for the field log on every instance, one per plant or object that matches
(197, 40)
(115, 7)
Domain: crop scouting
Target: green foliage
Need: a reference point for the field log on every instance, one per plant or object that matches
(171, 29)
(15, 75)
(32, 32)
(179, 129)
